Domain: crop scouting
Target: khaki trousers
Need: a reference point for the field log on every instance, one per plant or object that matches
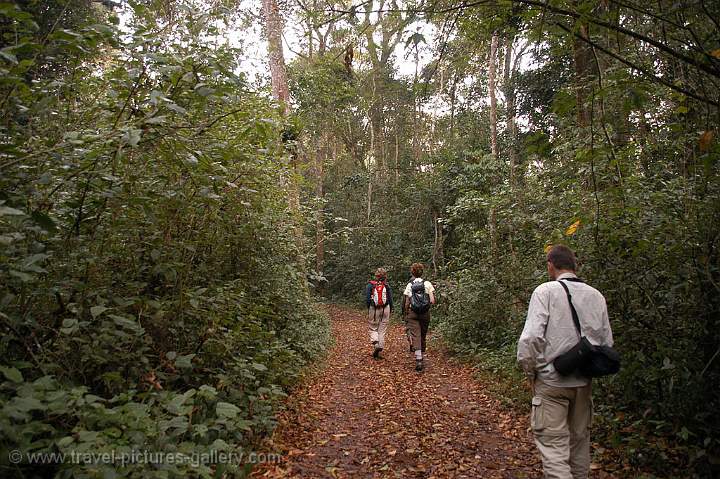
(560, 422)
(416, 328)
(379, 318)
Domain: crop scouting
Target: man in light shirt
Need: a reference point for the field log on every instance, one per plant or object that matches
(561, 405)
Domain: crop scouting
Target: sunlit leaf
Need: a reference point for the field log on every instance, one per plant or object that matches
(572, 228)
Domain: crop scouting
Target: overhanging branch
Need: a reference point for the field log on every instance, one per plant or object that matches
(639, 68)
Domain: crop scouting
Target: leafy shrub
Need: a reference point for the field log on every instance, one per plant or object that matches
(647, 246)
(151, 297)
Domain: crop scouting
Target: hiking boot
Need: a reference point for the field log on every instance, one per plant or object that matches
(376, 353)
(419, 366)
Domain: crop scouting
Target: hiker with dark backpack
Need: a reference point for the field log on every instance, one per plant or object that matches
(378, 297)
(419, 295)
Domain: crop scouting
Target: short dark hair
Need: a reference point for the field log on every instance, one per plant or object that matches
(562, 257)
(417, 269)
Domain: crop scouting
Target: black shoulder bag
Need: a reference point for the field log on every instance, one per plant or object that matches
(586, 358)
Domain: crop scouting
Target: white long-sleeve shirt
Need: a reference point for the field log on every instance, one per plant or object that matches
(549, 330)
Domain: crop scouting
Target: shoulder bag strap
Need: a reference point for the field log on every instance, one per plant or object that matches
(575, 318)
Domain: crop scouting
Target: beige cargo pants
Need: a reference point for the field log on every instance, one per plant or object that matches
(560, 422)
(379, 318)
(416, 328)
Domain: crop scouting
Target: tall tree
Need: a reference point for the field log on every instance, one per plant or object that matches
(493, 97)
(510, 107)
(281, 93)
(278, 72)
(492, 220)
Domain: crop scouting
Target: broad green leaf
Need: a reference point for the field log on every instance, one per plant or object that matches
(203, 90)
(28, 403)
(24, 277)
(7, 211)
(259, 367)
(176, 108)
(226, 410)
(12, 374)
(7, 55)
(184, 362)
(132, 136)
(96, 311)
(65, 441)
(156, 120)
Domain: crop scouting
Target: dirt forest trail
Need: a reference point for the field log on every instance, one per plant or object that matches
(362, 417)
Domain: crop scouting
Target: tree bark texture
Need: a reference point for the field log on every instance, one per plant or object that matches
(278, 72)
(493, 98)
(509, 92)
(320, 158)
(583, 60)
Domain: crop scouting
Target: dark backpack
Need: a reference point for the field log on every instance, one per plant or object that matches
(419, 299)
(586, 358)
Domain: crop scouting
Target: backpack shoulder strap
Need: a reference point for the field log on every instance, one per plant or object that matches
(575, 317)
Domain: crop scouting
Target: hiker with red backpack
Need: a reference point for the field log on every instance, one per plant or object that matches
(378, 297)
(419, 295)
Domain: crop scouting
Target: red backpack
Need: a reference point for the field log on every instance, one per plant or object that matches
(379, 294)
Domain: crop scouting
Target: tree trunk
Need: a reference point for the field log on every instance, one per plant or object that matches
(278, 73)
(509, 92)
(376, 121)
(369, 196)
(370, 162)
(320, 158)
(438, 255)
(453, 98)
(492, 229)
(281, 93)
(493, 99)
(397, 157)
(415, 138)
(311, 35)
(583, 60)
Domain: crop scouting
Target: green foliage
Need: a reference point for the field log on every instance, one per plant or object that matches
(147, 302)
(619, 139)
(646, 240)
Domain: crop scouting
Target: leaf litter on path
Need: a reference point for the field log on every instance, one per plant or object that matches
(366, 418)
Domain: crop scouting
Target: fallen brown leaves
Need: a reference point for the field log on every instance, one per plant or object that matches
(361, 417)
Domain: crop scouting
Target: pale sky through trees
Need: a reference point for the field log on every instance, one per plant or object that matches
(256, 53)
(244, 31)
(254, 48)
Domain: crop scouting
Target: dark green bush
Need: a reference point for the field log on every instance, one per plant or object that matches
(649, 245)
(151, 296)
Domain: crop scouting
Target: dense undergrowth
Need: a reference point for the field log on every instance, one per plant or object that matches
(158, 214)
(151, 299)
(650, 249)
